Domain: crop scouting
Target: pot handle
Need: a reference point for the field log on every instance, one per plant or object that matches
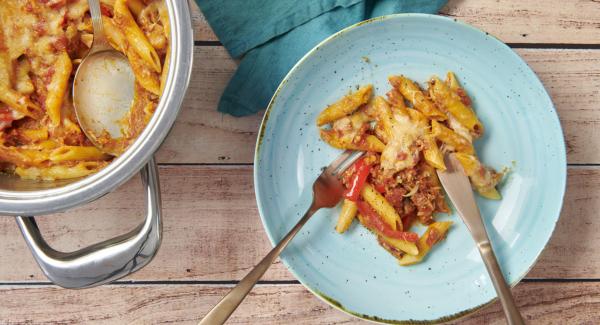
(105, 261)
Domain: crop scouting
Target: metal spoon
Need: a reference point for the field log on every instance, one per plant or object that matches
(103, 89)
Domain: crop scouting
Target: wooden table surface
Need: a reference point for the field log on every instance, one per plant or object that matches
(213, 234)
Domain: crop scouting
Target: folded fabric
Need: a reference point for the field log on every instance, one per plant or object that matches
(272, 36)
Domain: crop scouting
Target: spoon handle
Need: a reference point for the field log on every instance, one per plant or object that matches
(100, 41)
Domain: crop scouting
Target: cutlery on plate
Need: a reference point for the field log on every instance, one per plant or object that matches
(327, 193)
(459, 190)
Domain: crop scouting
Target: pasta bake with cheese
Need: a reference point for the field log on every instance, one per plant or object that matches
(405, 135)
(41, 44)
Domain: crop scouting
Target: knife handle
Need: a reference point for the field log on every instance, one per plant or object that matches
(513, 316)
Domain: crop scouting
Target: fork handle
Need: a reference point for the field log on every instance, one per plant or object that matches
(221, 312)
(513, 316)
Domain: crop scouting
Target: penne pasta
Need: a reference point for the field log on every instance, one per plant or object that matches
(454, 141)
(432, 153)
(59, 171)
(88, 39)
(145, 76)
(454, 85)
(8, 96)
(484, 179)
(76, 153)
(136, 7)
(370, 143)
(434, 234)
(23, 156)
(346, 217)
(135, 37)
(35, 135)
(441, 93)
(396, 99)
(382, 207)
(44, 145)
(452, 81)
(402, 245)
(58, 87)
(13, 156)
(20, 103)
(384, 117)
(418, 118)
(416, 97)
(114, 35)
(398, 244)
(6, 69)
(151, 23)
(23, 82)
(345, 106)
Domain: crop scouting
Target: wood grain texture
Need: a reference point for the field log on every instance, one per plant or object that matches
(573, 251)
(211, 227)
(540, 303)
(572, 78)
(212, 231)
(202, 31)
(513, 21)
(203, 135)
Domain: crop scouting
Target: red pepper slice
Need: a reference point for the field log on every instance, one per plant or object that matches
(379, 187)
(433, 238)
(361, 172)
(374, 221)
(407, 221)
(106, 11)
(6, 117)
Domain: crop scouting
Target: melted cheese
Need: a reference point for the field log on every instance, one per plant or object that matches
(76, 9)
(30, 27)
(17, 37)
(398, 153)
(40, 41)
(460, 129)
(349, 127)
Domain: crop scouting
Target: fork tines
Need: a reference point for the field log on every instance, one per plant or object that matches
(343, 162)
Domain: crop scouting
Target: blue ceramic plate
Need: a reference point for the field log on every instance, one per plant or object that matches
(351, 271)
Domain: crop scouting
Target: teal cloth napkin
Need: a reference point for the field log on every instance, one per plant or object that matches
(272, 35)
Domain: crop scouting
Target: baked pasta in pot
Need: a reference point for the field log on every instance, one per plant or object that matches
(41, 44)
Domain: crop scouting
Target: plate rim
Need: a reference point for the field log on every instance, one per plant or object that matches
(259, 141)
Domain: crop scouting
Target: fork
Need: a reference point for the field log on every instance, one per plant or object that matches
(457, 186)
(327, 193)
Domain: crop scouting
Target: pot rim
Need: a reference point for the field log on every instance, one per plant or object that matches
(141, 150)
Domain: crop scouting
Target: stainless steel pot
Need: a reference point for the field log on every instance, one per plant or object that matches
(117, 257)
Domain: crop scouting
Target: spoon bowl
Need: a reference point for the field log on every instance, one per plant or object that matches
(102, 97)
(103, 90)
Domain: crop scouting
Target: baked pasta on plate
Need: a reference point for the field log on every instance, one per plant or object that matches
(373, 87)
